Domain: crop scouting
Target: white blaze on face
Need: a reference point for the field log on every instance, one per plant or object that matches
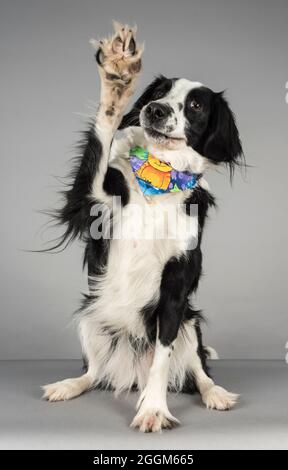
(176, 100)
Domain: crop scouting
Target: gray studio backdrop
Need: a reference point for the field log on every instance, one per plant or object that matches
(48, 85)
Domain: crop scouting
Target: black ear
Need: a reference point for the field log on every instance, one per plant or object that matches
(132, 118)
(222, 142)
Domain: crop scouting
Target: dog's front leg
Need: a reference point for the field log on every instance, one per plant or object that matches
(119, 65)
(153, 414)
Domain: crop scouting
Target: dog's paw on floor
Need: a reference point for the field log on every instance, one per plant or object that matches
(154, 421)
(65, 389)
(217, 398)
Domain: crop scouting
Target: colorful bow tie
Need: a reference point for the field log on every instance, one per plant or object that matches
(157, 177)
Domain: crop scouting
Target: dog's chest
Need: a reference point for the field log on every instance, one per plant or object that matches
(147, 232)
(158, 223)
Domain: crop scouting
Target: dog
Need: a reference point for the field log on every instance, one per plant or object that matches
(137, 325)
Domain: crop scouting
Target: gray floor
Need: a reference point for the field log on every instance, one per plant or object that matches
(97, 420)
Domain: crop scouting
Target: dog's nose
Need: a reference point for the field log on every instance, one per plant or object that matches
(157, 111)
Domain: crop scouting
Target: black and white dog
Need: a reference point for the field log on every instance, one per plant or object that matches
(137, 326)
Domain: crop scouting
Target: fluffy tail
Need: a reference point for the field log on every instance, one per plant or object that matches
(211, 353)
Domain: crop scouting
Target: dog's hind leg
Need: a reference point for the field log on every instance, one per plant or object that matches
(73, 387)
(68, 388)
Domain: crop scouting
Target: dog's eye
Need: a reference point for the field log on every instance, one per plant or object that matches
(158, 94)
(195, 105)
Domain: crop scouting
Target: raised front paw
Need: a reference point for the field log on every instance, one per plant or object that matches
(119, 57)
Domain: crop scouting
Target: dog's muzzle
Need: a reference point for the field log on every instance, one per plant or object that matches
(156, 114)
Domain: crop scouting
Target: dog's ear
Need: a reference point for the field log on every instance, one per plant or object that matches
(222, 142)
(132, 118)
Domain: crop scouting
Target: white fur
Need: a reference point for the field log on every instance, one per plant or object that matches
(68, 388)
(153, 413)
(218, 398)
(176, 95)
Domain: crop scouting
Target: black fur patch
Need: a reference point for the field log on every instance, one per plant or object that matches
(204, 200)
(115, 185)
(75, 213)
(156, 90)
(202, 353)
(222, 142)
(175, 286)
(212, 129)
(180, 277)
(96, 255)
(150, 321)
